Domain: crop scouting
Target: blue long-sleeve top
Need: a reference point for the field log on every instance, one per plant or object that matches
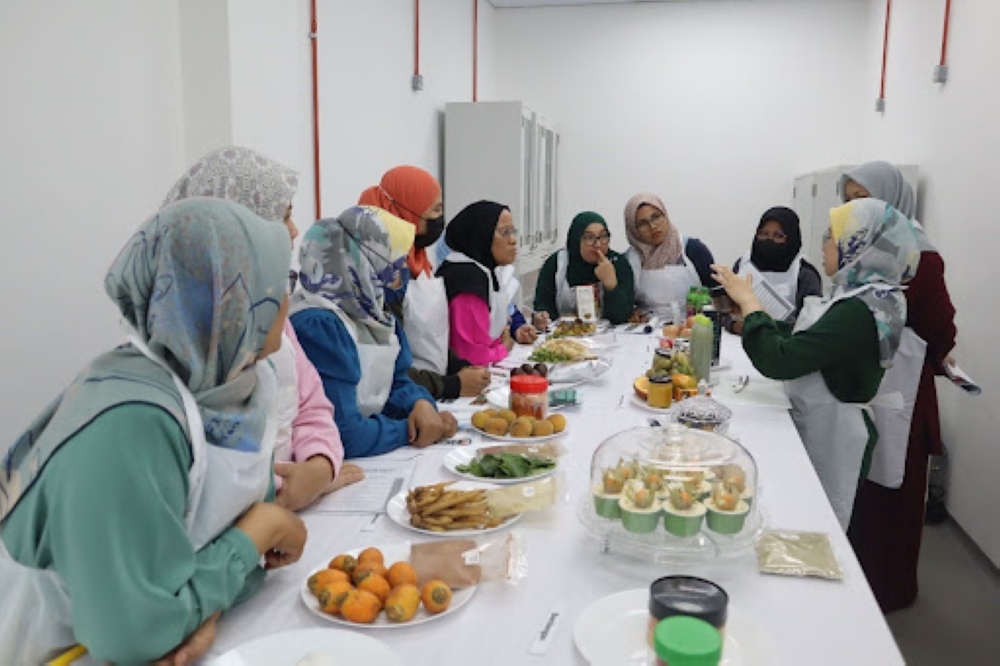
(330, 348)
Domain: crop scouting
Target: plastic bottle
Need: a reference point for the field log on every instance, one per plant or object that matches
(687, 641)
(712, 313)
(701, 347)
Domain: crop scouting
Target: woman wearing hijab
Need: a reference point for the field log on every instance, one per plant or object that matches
(340, 315)
(587, 260)
(309, 456)
(888, 520)
(132, 511)
(834, 358)
(482, 237)
(420, 303)
(665, 264)
(776, 258)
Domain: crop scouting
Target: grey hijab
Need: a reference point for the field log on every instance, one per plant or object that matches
(886, 183)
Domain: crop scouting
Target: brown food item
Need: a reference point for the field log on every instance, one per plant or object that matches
(446, 561)
(521, 428)
(558, 422)
(542, 429)
(497, 426)
(507, 415)
(436, 509)
(480, 419)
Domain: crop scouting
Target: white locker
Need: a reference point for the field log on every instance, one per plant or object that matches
(505, 152)
(815, 194)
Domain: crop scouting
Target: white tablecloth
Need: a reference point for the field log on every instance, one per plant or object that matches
(804, 621)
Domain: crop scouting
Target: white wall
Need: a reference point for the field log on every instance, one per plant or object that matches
(952, 132)
(203, 33)
(716, 106)
(91, 136)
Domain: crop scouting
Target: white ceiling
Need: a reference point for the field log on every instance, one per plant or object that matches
(543, 3)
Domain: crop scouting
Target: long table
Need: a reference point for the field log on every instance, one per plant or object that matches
(801, 621)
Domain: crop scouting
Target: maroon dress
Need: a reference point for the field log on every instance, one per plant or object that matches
(887, 524)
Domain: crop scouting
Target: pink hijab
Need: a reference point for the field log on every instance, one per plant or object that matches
(653, 257)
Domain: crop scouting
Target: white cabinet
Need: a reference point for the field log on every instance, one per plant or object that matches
(505, 152)
(815, 194)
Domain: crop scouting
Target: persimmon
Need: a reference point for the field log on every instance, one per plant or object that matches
(360, 606)
(377, 585)
(403, 603)
(372, 555)
(401, 573)
(331, 596)
(436, 597)
(344, 562)
(320, 578)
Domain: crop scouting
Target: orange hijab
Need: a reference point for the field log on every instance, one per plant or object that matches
(406, 192)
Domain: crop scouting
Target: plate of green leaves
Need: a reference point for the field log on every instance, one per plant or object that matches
(504, 468)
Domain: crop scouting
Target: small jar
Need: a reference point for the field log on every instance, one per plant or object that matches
(687, 641)
(686, 595)
(661, 392)
(529, 396)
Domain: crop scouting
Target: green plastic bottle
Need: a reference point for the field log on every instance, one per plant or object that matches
(702, 337)
(687, 641)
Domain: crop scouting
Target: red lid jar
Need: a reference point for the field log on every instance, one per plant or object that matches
(529, 396)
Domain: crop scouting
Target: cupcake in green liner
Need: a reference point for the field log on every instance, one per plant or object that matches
(608, 492)
(736, 476)
(727, 512)
(696, 483)
(682, 513)
(639, 508)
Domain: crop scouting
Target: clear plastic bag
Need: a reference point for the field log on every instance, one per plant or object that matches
(789, 553)
(524, 497)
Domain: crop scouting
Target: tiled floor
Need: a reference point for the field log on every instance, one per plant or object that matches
(956, 620)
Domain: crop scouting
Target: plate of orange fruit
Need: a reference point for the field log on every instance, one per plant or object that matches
(376, 588)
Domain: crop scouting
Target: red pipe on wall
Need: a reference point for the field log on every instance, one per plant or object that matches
(885, 48)
(475, 50)
(313, 35)
(944, 36)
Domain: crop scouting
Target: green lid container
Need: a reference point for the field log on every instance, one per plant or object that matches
(687, 641)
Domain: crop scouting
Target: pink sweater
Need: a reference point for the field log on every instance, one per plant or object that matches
(314, 432)
(469, 317)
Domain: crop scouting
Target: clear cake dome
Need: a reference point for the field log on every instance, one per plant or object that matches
(673, 494)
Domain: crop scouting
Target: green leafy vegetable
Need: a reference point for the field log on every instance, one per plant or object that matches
(507, 466)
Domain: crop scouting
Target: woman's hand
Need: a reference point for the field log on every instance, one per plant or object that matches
(508, 341)
(302, 482)
(605, 272)
(526, 335)
(349, 474)
(194, 646)
(424, 423)
(450, 424)
(278, 534)
(740, 289)
(540, 320)
(473, 380)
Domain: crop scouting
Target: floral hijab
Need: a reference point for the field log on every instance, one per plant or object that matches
(348, 261)
(877, 246)
(201, 283)
(241, 175)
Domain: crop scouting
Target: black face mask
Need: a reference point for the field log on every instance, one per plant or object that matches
(435, 227)
(769, 255)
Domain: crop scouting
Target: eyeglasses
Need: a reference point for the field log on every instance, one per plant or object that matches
(507, 233)
(657, 219)
(777, 236)
(600, 239)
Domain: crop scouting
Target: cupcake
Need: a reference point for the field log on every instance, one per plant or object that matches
(727, 511)
(682, 513)
(608, 492)
(639, 509)
(737, 477)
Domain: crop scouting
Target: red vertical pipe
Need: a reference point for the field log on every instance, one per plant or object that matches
(944, 36)
(475, 50)
(885, 48)
(313, 36)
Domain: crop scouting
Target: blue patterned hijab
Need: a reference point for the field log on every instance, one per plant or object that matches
(201, 283)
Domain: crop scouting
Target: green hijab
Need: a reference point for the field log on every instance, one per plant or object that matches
(201, 283)
(578, 271)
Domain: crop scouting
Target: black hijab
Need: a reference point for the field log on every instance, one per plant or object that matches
(768, 255)
(471, 233)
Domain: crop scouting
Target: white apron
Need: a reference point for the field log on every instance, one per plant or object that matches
(656, 289)
(286, 398)
(892, 420)
(833, 432)
(425, 321)
(378, 365)
(499, 300)
(223, 483)
(565, 294)
(784, 283)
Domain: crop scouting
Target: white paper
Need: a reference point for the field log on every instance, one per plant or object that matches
(543, 639)
(961, 379)
(383, 480)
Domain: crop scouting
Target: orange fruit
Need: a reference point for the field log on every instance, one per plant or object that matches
(360, 606)
(402, 573)
(331, 596)
(403, 603)
(373, 555)
(377, 585)
(320, 578)
(345, 563)
(436, 597)
(363, 570)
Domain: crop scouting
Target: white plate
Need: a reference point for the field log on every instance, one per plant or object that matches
(612, 630)
(500, 397)
(396, 552)
(642, 404)
(397, 511)
(521, 440)
(465, 456)
(288, 648)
